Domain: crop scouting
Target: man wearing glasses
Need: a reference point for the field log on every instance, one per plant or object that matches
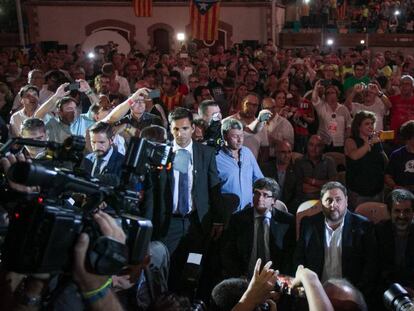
(259, 231)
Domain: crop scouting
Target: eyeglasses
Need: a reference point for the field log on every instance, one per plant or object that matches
(263, 194)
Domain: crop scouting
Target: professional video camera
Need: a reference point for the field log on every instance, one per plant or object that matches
(42, 232)
(396, 298)
(212, 136)
(70, 150)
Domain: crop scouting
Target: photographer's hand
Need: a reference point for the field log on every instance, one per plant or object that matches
(315, 294)
(260, 289)
(87, 281)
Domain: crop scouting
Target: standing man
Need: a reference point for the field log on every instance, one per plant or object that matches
(192, 194)
(337, 243)
(402, 109)
(236, 164)
(105, 158)
(259, 231)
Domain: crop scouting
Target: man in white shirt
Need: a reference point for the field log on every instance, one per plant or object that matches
(337, 243)
(278, 128)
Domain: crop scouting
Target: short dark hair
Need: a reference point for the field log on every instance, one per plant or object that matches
(205, 104)
(219, 65)
(102, 127)
(199, 90)
(64, 100)
(333, 185)
(268, 184)
(180, 113)
(226, 294)
(28, 87)
(358, 300)
(359, 117)
(33, 124)
(407, 130)
(361, 64)
(397, 196)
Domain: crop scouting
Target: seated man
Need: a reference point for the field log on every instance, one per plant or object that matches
(313, 170)
(259, 231)
(105, 160)
(400, 170)
(282, 170)
(344, 296)
(396, 241)
(337, 243)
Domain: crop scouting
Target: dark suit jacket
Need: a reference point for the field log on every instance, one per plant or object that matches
(238, 241)
(389, 272)
(113, 168)
(359, 249)
(269, 169)
(205, 191)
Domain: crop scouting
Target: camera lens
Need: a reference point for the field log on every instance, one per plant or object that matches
(396, 298)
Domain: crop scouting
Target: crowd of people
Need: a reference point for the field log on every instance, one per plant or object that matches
(255, 133)
(361, 16)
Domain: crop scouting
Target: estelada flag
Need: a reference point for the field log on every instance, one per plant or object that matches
(142, 8)
(204, 19)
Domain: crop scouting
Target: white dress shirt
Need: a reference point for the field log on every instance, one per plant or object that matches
(332, 267)
(189, 148)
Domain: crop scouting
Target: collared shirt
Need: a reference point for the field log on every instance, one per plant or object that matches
(92, 156)
(252, 140)
(238, 177)
(332, 267)
(253, 257)
(189, 148)
(59, 131)
(81, 125)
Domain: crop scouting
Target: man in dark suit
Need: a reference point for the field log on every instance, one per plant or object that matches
(396, 241)
(260, 231)
(337, 243)
(190, 201)
(105, 162)
(282, 170)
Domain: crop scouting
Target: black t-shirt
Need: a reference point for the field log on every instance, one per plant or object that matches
(401, 167)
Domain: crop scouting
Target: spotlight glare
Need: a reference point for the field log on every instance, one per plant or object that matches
(329, 42)
(180, 36)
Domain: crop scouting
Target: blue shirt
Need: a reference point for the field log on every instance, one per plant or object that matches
(238, 177)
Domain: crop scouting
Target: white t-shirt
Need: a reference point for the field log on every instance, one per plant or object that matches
(333, 124)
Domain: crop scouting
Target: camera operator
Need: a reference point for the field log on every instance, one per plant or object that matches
(209, 111)
(105, 158)
(34, 128)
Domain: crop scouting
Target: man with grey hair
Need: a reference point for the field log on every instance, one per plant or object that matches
(337, 243)
(402, 108)
(237, 167)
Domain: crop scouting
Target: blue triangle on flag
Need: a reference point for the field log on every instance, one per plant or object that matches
(204, 5)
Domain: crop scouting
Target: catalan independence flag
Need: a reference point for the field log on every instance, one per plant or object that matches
(204, 19)
(142, 8)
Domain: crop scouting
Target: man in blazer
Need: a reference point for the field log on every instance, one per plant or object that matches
(243, 234)
(396, 241)
(282, 170)
(105, 162)
(337, 243)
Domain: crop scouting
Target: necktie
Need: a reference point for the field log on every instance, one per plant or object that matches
(97, 167)
(261, 249)
(182, 161)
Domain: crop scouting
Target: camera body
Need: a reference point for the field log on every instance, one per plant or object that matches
(396, 298)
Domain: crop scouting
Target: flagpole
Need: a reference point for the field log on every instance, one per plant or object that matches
(20, 22)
